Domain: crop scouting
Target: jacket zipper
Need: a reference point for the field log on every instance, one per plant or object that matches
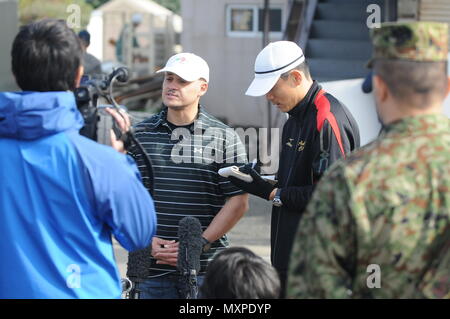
(286, 184)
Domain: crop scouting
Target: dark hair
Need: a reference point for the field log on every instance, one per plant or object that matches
(414, 83)
(46, 56)
(237, 273)
(302, 67)
(85, 37)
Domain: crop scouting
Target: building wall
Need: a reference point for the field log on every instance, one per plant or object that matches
(424, 10)
(435, 10)
(231, 60)
(9, 18)
(407, 10)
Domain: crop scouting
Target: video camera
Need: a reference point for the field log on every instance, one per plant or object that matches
(87, 96)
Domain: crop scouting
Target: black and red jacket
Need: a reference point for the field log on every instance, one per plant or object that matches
(319, 131)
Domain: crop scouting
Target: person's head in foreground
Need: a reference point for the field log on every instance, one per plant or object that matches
(47, 56)
(409, 69)
(237, 273)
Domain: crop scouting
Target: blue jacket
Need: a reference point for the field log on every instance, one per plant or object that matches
(62, 196)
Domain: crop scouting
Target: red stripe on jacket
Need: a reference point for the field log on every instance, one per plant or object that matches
(324, 113)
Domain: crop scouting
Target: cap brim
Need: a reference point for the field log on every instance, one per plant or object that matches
(262, 85)
(367, 84)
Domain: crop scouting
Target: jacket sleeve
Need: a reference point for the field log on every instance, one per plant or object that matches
(123, 203)
(114, 188)
(295, 198)
(327, 149)
(323, 259)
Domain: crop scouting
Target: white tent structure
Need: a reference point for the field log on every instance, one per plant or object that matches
(156, 33)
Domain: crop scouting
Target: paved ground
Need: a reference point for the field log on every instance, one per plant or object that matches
(252, 231)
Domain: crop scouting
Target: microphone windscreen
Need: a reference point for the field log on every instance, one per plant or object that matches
(190, 244)
(123, 74)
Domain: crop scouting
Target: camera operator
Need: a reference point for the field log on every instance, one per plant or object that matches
(62, 195)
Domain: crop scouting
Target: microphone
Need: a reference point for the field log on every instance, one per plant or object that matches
(189, 251)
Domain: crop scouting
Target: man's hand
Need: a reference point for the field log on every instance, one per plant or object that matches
(258, 187)
(123, 123)
(165, 251)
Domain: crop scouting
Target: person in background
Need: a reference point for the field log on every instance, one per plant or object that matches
(128, 34)
(91, 64)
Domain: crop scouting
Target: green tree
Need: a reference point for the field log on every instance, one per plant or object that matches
(173, 5)
(76, 12)
(96, 3)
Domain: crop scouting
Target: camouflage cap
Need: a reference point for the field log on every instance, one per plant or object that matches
(414, 41)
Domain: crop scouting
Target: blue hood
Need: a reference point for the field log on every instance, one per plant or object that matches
(32, 115)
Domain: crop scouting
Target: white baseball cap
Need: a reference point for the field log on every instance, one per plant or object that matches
(275, 59)
(188, 66)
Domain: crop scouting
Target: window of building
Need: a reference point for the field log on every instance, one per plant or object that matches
(241, 20)
(274, 20)
(247, 20)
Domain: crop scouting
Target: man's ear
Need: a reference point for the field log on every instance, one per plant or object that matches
(80, 72)
(380, 88)
(297, 77)
(203, 88)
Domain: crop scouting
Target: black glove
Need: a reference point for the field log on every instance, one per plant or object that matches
(258, 187)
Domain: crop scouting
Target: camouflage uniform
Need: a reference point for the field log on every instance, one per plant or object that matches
(387, 205)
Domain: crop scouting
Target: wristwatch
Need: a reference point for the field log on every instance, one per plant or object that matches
(205, 244)
(276, 201)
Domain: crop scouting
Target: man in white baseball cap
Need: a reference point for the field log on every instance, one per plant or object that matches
(277, 58)
(188, 66)
(186, 187)
(319, 131)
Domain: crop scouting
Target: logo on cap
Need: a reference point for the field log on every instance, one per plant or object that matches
(181, 59)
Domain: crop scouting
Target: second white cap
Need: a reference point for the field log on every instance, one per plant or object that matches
(275, 59)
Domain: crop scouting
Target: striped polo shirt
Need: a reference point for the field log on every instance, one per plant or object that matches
(186, 183)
